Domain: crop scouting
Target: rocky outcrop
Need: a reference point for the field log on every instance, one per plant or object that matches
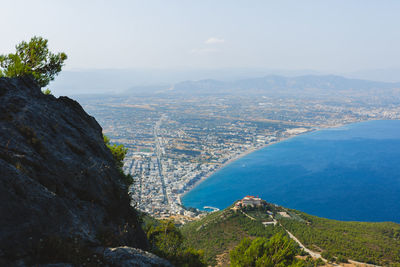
(60, 191)
(132, 257)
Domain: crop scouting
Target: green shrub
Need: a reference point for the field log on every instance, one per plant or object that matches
(341, 259)
(319, 262)
(119, 153)
(166, 241)
(46, 91)
(279, 250)
(328, 256)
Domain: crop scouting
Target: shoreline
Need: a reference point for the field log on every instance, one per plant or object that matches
(239, 156)
(247, 152)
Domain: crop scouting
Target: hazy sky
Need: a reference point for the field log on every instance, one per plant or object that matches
(322, 35)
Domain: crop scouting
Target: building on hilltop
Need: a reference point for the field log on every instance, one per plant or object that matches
(249, 201)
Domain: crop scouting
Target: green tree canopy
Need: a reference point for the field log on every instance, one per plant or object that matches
(33, 58)
(165, 238)
(277, 251)
(166, 241)
(118, 151)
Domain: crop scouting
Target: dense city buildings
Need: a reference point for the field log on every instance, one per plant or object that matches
(176, 141)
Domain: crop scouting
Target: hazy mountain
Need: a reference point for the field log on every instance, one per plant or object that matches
(309, 84)
(228, 81)
(100, 81)
(384, 75)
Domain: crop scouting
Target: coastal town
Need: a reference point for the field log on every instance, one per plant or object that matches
(184, 156)
(176, 142)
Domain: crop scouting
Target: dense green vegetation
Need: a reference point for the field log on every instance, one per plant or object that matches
(279, 250)
(337, 241)
(259, 215)
(377, 243)
(167, 241)
(221, 231)
(32, 58)
(119, 153)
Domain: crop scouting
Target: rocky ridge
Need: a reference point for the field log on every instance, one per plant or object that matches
(61, 195)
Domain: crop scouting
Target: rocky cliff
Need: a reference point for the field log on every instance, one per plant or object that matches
(62, 198)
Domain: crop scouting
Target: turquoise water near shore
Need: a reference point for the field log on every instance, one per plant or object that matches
(345, 173)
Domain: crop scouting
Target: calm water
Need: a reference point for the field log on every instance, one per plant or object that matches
(346, 173)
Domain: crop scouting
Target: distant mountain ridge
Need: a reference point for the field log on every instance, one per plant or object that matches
(283, 85)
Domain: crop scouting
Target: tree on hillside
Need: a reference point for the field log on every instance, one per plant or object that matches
(167, 241)
(119, 153)
(33, 58)
(279, 250)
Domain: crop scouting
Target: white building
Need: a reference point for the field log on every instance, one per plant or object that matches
(249, 201)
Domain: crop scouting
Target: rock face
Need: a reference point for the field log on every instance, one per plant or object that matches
(59, 186)
(132, 257)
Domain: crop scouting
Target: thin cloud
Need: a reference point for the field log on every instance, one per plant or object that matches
(214, 40)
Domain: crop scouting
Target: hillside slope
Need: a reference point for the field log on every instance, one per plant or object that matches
(219, 232)
(61, 195)
(376, 243)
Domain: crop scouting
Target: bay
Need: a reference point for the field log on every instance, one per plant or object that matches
(346, 173)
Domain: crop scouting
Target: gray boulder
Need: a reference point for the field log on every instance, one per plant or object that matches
(133, 257)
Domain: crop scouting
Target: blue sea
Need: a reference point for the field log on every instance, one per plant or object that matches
(345, 173)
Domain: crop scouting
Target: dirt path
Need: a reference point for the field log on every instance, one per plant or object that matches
(252, 218)
(318, 255)
(312, 253)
